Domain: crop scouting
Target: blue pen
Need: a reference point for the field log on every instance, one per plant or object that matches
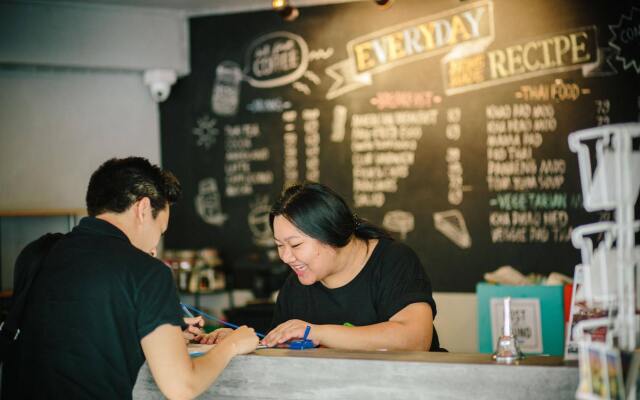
(306, 333)
(303, 343)
(189, 308)
(186, 311)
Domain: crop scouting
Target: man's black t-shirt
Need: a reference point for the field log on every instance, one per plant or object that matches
(95, 298)
(392, 278)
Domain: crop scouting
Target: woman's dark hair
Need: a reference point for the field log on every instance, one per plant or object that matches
(322, 214)
(118, 183)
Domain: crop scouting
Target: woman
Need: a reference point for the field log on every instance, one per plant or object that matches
(353, 286)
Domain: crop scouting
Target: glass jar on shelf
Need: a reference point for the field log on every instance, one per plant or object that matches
(206, 275)
(185, 268)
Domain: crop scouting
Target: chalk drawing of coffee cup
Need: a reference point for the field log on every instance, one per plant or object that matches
(207, 202)
(226, 89)
(399, 221)
(258, 220)
(276, 59)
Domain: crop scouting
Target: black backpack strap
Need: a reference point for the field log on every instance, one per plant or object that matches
(27, 266)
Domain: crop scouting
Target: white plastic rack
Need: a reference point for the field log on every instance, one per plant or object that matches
(610, 178)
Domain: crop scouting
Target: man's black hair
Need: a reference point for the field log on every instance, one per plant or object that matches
(118, 183)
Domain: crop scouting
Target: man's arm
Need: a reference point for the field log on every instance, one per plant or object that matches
(178, 375)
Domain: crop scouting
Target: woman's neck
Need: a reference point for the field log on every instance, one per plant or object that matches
(350, 260)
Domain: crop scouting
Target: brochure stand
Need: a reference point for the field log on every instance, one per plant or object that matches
(609, 162)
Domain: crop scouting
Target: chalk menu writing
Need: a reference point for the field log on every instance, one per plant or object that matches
(240, 155)
(530, 207)
(444, 123)
(383, 147)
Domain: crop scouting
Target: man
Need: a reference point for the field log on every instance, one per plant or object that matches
(101, 303)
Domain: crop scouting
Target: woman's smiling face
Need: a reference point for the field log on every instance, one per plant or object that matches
(309, 258)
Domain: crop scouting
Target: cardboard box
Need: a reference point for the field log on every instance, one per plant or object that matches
(537, 317)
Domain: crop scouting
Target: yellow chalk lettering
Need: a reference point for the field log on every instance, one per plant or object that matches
(579, 47)
(546, 54)
(562, 46)
(395, 44)
(364, 60)
(496, 64)
(427, 33)
(514, 57)
(458, 28)
(525, 57)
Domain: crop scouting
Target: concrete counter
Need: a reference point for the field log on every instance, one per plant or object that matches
(333, 374)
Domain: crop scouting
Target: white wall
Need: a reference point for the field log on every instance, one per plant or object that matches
(457, 321)
(59, 125)
(73, 96)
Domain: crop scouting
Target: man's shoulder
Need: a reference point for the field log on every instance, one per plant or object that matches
(41, 245)
(30, 258)
(108, 250)
(133, 257)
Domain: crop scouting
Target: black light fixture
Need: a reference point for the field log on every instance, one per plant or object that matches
(384, 3)
(285, 9)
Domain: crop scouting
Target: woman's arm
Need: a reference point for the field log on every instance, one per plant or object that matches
(409, 329)
(179, 376)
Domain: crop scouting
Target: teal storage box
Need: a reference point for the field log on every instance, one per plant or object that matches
(537, 317)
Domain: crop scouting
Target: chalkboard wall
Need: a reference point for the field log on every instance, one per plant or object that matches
(444, 121)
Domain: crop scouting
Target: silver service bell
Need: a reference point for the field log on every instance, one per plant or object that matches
(507, 350)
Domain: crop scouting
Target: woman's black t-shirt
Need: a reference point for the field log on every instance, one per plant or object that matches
(392, 278)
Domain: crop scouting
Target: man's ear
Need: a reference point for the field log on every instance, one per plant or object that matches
(143, 209)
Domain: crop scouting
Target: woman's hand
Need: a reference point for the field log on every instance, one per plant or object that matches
(214, 337)
(194, 328)
(292, 329)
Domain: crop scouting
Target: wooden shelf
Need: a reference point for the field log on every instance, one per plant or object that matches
(56, 212)
(205, 292)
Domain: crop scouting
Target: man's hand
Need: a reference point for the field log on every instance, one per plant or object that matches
(194, 328)
(214, 337)
(243, 340)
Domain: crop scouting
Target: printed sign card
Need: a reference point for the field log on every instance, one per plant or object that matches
(526, 323)
(580, 311)
(600, 373)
